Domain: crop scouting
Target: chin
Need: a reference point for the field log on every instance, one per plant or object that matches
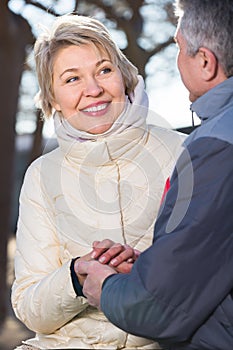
(100, 129)
(192, 98)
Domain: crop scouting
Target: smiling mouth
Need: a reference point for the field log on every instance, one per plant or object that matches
(95, 109)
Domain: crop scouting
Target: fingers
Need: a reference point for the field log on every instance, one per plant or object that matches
(93, 268)
(99, 247)
(127, 255)
(108, 252)
(83, 267)
(111, 253)
(124, 267)
(79, 266)
(96, 274)
(86, 257)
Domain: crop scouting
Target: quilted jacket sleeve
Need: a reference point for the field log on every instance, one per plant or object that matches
(43, 297)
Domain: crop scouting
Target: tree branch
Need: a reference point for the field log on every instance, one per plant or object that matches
(37, 4)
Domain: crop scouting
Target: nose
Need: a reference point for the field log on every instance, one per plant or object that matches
(92, 87)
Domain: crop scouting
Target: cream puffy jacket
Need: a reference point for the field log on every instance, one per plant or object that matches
(109, 187)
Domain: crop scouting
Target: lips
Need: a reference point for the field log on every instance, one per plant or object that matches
(96, 108)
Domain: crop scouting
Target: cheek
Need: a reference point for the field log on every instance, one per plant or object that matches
(120, 91)
(64, 99)
(55, 102)
(119, 86)
(179, 62)
(183, 69)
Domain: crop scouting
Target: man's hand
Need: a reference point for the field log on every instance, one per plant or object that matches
(95, 274)
(86, 257)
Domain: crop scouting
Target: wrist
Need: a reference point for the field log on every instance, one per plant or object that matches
(77, 286)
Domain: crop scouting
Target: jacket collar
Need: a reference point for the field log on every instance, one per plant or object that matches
(104, 151)
(214, 101)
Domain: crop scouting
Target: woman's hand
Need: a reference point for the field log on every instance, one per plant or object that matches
(116, 255)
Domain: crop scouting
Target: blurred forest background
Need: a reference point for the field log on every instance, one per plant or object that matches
(144, 31)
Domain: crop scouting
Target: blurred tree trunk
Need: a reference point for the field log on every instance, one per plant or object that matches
(37, 137)
(15, 35)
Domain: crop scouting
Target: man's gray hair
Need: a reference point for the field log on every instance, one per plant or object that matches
(209, 24)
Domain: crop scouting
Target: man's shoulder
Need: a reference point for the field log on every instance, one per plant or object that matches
(220, 127)
(223, 126)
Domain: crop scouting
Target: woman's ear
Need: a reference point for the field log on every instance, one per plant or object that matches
(208, 64)
(56, 106)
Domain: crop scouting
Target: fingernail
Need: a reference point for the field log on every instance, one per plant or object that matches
(93, 255)
(113, 261)
(102, 259)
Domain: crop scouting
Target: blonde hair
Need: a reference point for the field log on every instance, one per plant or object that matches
(77, 30)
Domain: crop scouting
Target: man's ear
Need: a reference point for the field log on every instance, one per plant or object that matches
(208, 63)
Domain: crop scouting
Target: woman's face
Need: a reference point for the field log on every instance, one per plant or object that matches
(88, 88)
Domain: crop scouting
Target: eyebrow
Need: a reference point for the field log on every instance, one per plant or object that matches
(68, 70)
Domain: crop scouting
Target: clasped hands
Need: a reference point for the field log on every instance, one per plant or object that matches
(106, 258)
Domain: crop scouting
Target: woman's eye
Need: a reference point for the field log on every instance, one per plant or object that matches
(105, 70)
(71, 80)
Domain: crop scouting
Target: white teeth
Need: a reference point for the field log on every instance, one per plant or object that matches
(96, 108)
